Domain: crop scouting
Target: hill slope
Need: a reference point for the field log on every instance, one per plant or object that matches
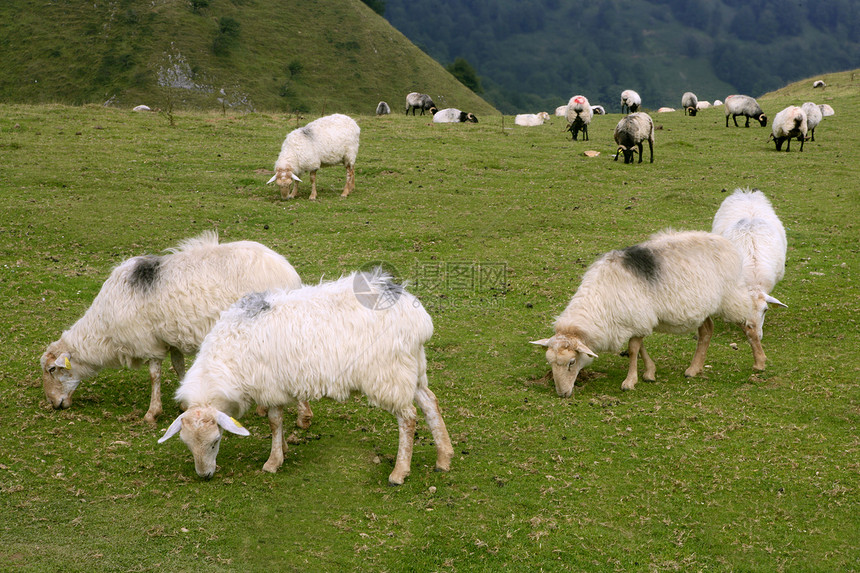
(535, 54)
(280, 55)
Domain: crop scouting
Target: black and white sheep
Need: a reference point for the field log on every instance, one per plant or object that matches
(579, 115)
(788, 124)
(630, 132)
(361, 333)
(325, 142)
(452, 115)
(674, 282)
(630, 100)
(690, 103)
(420, 101)
(819, 84)
(152, 306)
(746, 106)
(813, 117)
(382, 108)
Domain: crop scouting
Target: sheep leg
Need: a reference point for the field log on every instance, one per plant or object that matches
(293, 188)
(800, 139)
(748, 122)
(650, 374)
(430, 406)
(155, 395)
(651, 149)
(313, 186)
(639, 146)
(350, 180)
(305, 415)
(706, 330)
(755, 343)
(276, 424)
(633, 347)
(177, 359)
(406, 424)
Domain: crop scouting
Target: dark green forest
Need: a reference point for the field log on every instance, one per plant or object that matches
(535, 54)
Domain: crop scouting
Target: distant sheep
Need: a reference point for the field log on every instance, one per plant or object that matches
(789, 124)
(561, 111)
(630, 132)
(703, 105)
(361, 333)
(690, 103)
(630, 100)
(325, 142)
(141, 108)
(746, 106)
(674, 282)
(152, 306)
(813, 118)
(578, 116)
(531, 119)
(747, 219)
(717, 102)
(826, 110)
(416, 100)
(819, 84)
(598, 110)
(453, 115)
(665, 110)
(383, 109)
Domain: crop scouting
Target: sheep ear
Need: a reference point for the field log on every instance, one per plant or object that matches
(580, 347)
(772, 300)
(173, 429)
(230, 424)
(295, 178)
(63, 361)
(544, 342)
(275, 176)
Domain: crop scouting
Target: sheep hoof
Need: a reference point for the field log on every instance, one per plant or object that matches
(271, 467)
(652, 380)
(393, 483)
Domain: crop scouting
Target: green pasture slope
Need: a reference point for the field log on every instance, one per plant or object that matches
(493, 226)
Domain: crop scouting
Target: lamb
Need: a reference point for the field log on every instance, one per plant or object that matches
(690, 103)
(747, 219)
(452, 115)
(744, 105)
(813, 117)
(359, 333)
(630, 132)
(154, 305)
(382, 108)
(630, 100)
(416, 100)
(531, 119)
(327, 141)
(674, 282)
(578, 116)
(788, 124)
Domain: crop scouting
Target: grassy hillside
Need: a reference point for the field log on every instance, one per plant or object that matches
(493, 226)
(278, 55)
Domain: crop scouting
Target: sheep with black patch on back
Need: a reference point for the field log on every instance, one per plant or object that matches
(630, 100)
(674, 282)
(531, 119)
(747, 219)
(325, 142)
(579, 115)
(746, 106)
(361, 333)
(152, 306)
(813, 118)
(415, 100)
(452, 115)
(690, 103)
(630, 132)
(788, 124)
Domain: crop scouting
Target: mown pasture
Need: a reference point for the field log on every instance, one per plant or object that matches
(493, 227)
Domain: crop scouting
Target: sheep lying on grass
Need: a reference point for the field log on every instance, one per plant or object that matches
(747, 219)
(674, 282)
(361, 333)
(382, 108)
(453, 115)
(327, 141)
(630, 132)
(531, 119)
(788, 124)
(152, 306)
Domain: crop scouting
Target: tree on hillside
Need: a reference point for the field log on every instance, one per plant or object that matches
(463, 71)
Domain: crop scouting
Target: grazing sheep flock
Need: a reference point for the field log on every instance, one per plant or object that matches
(630, 132)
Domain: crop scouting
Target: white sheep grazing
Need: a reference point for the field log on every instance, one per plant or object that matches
(452, 115)
(325, 142)
(788, 124)
(826, 110)
(415, 100)
(382, 108)
(630, 132)
(747, 219)
(598, 110)
(746, 106)
(361, 333)
(813, 117)
(630, 100)
(578, 116)
(151, 306)
(674, 282)
(531, 119)
(690, 103)
(561, 111)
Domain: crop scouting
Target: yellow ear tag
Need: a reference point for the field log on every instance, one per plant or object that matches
(68, 364)
(235, 421)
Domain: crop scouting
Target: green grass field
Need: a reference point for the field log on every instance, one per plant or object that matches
(493, 226)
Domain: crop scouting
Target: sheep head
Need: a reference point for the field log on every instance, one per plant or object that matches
(761, 300)
(627, 152)
(200, 428)
(59, 378)
(567, 354)
(762, 119)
